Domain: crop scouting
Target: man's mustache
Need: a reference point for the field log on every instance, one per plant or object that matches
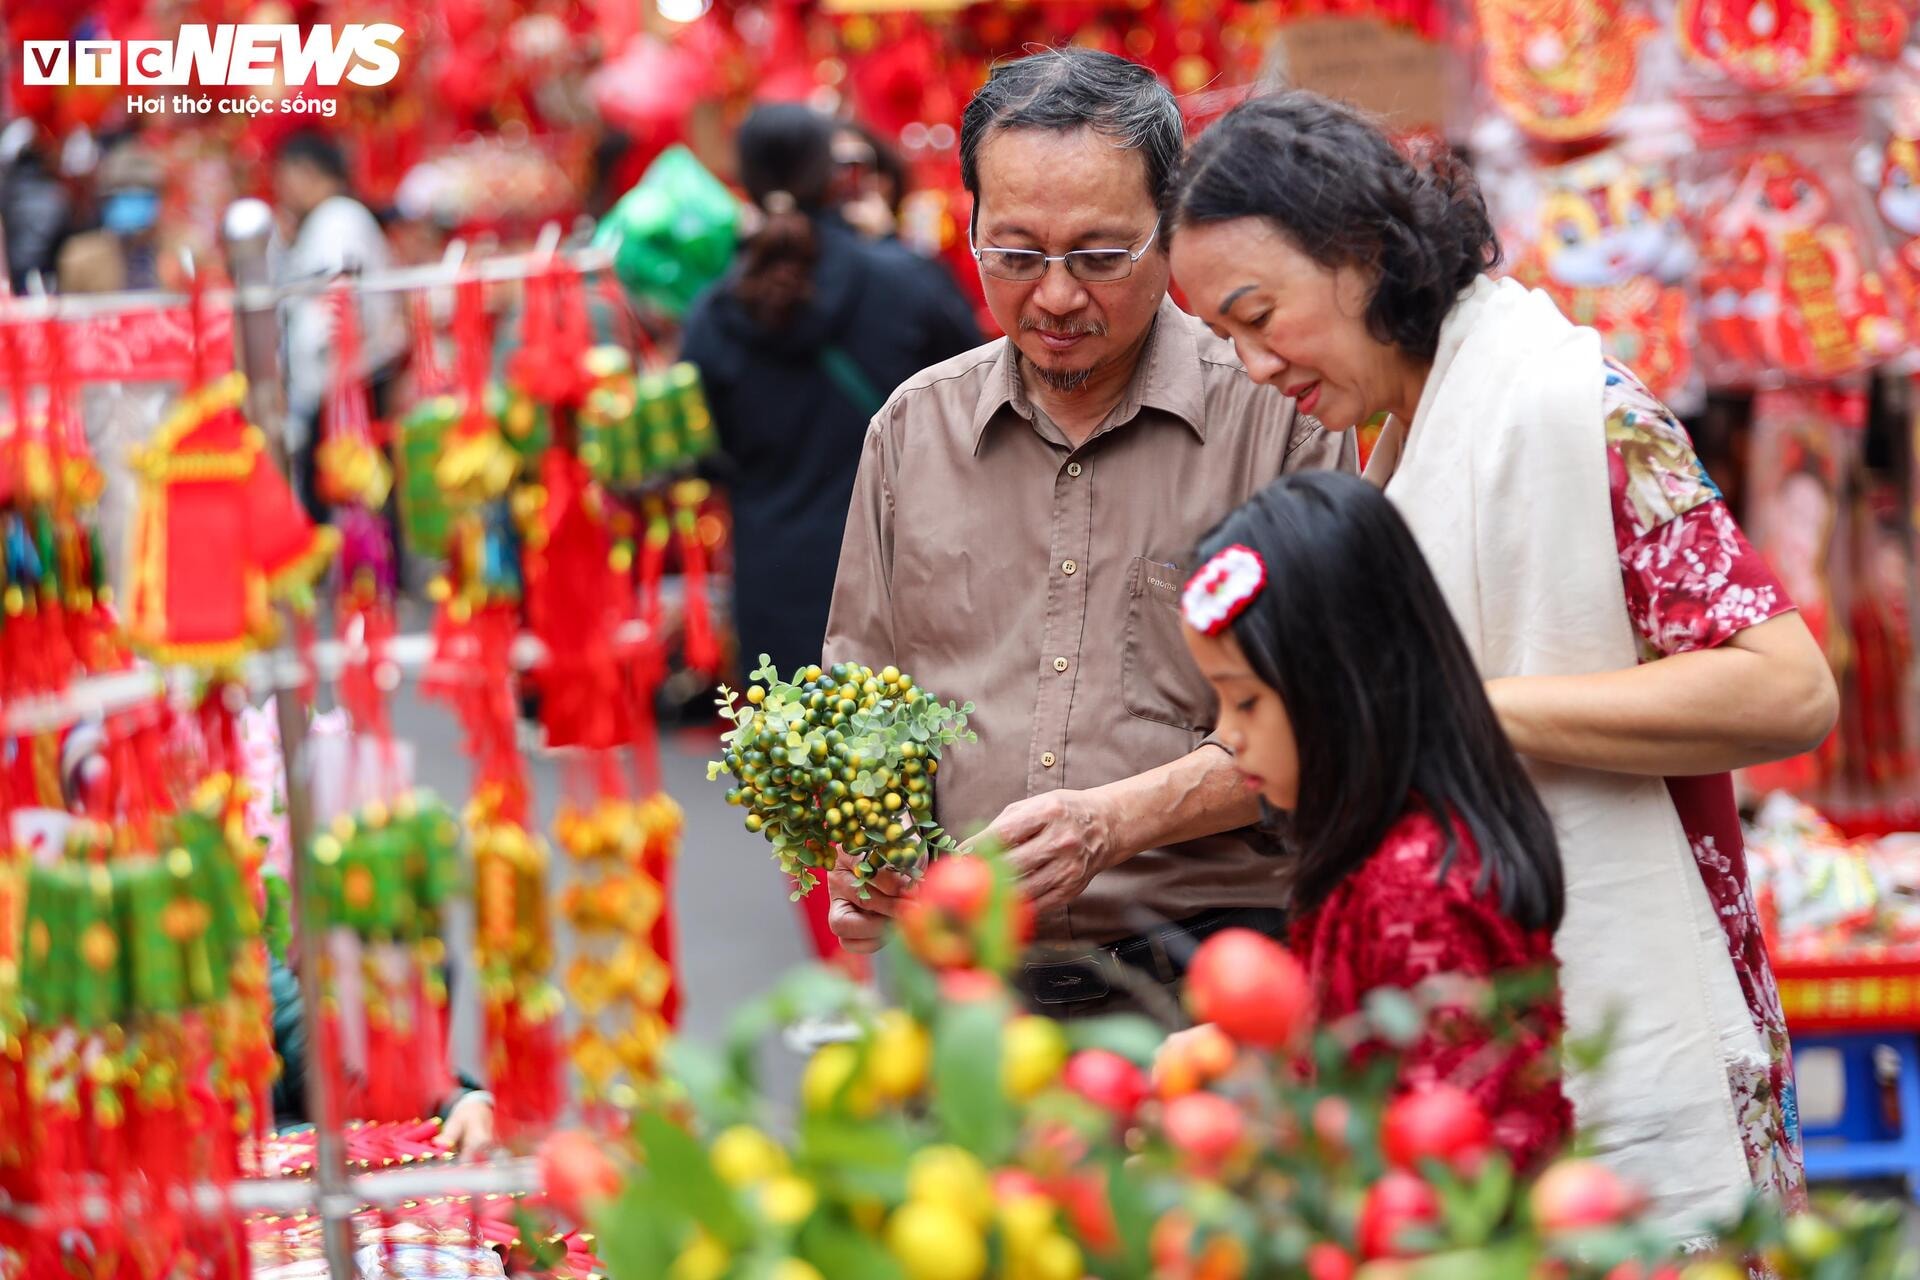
(1085, 329)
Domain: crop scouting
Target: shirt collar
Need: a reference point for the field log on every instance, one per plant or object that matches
(1168, 377)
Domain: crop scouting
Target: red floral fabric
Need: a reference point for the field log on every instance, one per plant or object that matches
(1400, 921)
(1693, 582)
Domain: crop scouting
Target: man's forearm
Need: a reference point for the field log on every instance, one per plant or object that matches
(1200, 794)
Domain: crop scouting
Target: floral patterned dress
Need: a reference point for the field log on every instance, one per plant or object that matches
(1693, 582)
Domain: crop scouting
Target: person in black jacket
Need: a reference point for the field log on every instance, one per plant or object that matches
(798, 347)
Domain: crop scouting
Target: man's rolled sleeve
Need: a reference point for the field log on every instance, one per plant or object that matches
(860, 623)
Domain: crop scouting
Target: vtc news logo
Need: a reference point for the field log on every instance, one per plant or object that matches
(231, 55)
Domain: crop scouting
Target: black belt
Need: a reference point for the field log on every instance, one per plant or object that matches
(1161, 953)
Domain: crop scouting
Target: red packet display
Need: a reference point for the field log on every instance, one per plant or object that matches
(1563, 70)
(1788, 276)
(1790, 46)
(1888, 166)
(1605, 237)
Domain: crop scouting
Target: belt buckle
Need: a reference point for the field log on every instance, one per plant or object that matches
(1066, 981)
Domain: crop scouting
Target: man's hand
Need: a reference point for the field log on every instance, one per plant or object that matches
(469, 1126)
(861, 924)
(1056, 843)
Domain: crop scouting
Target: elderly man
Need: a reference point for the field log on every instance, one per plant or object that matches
(1019, 532)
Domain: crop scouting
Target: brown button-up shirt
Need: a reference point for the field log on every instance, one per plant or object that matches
(1000, 565)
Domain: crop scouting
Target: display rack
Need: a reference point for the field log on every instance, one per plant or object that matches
(330, 1193)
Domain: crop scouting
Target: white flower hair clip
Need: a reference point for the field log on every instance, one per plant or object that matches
(1223, 588)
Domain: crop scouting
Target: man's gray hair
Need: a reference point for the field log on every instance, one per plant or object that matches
(1075, 88)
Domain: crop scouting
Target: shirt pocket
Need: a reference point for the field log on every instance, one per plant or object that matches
(1158, 681)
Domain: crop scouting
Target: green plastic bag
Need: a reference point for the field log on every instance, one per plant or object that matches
(673, 234)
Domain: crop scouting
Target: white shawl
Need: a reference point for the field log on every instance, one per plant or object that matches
(1503, 478)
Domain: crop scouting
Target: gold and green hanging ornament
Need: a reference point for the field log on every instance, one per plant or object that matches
(420, 434)
(642, 428)
(383, 877)
(621, 982)
(514, 945)
(609, 420)
(128, 963)
(213, 830)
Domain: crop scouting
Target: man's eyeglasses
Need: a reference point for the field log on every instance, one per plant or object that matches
(1089, 266)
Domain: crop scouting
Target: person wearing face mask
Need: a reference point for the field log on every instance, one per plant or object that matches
(121, 254)
(1018, 536)
(1634, 646)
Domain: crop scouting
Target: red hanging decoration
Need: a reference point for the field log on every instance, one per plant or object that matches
(219, 534)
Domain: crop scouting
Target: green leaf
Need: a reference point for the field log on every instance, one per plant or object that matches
(857, 1157)
(1492, 1198)
(967, 1098)
(1510, 1260)
(1133, 1036)
(702, 1072)
(917, 988)
(543, 1252)
(639, 1233)
(684, 1177)
(838, 1250)
(1135, 1217)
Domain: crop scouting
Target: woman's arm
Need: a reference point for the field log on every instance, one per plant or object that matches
(1766, 694)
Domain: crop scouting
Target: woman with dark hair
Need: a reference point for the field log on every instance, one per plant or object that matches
(1635, 648)
(798, 346)
(1418, 846)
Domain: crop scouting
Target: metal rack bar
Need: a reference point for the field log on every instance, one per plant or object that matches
(519, 1176)
(246, 229)
(253, 296)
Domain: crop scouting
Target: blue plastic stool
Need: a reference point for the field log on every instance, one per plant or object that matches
(1861, 1143)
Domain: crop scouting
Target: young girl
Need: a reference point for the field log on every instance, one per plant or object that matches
(1418, 846)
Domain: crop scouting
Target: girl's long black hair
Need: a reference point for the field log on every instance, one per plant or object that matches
(1388, 710)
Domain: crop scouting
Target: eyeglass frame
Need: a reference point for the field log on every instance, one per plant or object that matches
(1065, 259)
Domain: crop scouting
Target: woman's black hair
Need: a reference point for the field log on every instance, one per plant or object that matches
(786, 165)
(1340, 190)
(1387, 707)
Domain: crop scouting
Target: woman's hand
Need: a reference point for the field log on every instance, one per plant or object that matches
(469, 1126)
(1766, 694)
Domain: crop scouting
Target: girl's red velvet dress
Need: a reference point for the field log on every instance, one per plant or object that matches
(1397, 922)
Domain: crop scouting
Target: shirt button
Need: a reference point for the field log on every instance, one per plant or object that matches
(1069, 568)
(1073, 469)
(1059, 664)
(1046, 760)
